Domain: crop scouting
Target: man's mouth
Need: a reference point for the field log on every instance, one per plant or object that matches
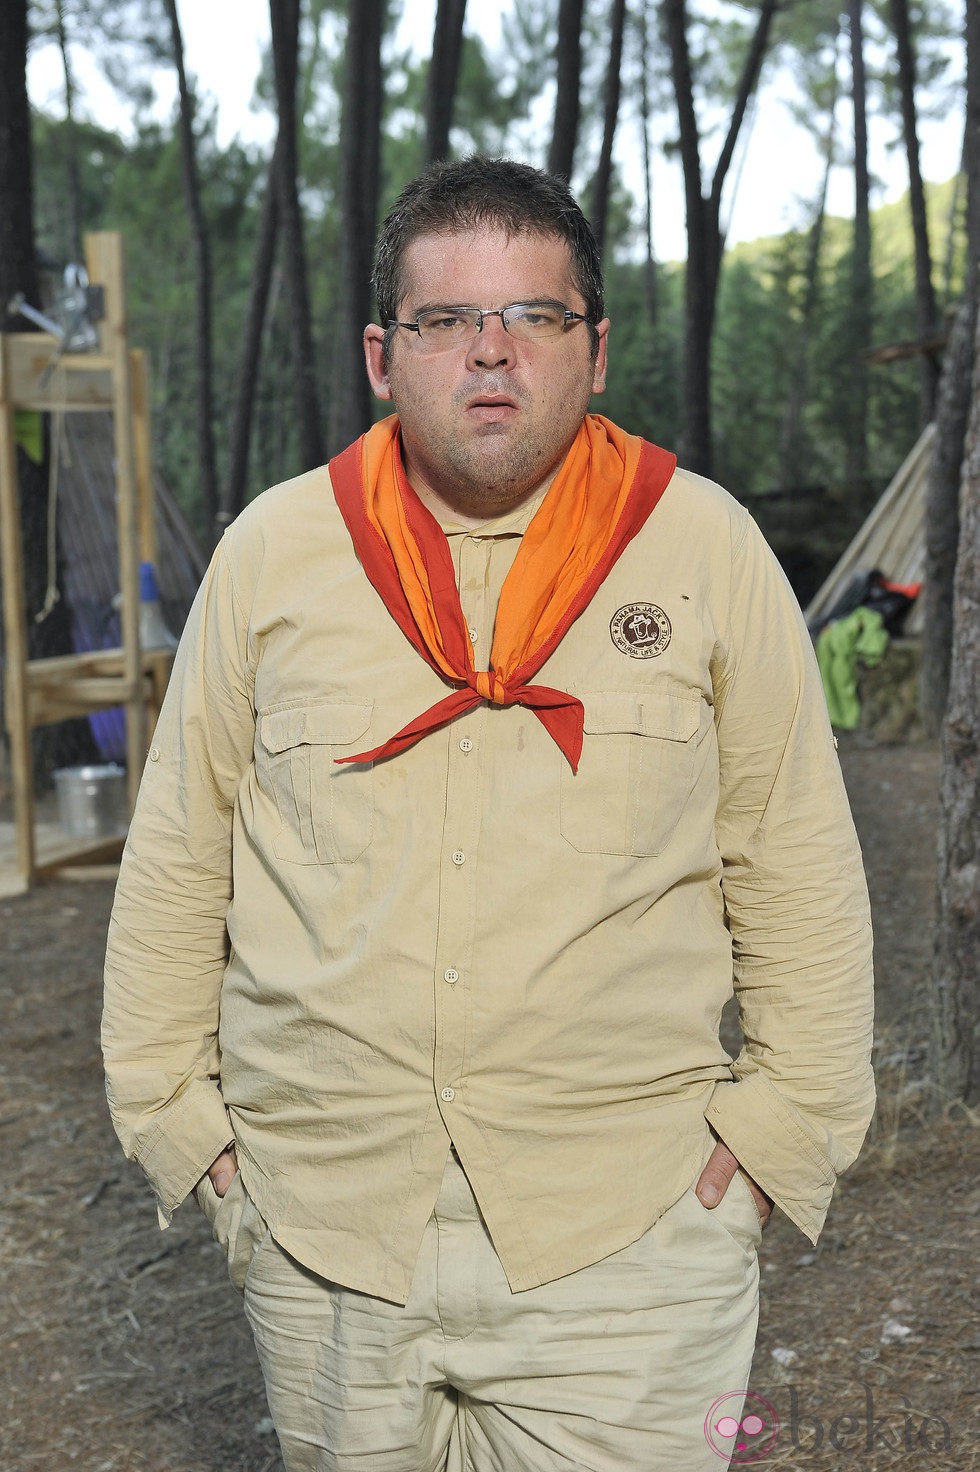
(491, 408)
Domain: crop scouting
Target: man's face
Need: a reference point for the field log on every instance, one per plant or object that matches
(487, 424)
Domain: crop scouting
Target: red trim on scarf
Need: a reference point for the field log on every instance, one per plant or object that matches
(561, 713)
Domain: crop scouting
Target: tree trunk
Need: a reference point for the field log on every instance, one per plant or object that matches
(650, 284)
(925, 297)
(791, 453)
(971, 151)
(952, 415)
(955, 993)
(360, 148)
(568, 54)
(447, 52)
(956, 978)
(53, 746)
(856, 424)
(942, 518)
(705, 243)
(600, 185)
(18, 269)
(284, 16)
(954, 215)
(74, 175)
(249, 357)
(202, 279)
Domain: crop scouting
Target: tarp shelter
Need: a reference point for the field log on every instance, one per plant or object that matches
(892, 538)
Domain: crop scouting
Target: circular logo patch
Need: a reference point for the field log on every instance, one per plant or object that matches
(640, 630)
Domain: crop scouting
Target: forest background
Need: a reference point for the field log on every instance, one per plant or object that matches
(798, 369)
(225, 253)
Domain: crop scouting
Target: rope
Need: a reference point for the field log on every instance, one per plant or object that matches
(59, 441)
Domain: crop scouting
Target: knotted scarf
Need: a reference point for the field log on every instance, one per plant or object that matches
(607, 485)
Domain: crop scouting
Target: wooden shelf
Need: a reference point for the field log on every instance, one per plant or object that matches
(53, 850)
(42, 692)
(75, 381)
(62, 688)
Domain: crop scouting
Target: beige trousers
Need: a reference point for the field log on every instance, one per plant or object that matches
(610, 1369)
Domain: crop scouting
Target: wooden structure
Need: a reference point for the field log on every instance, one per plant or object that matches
(892, 539)
(36, 375)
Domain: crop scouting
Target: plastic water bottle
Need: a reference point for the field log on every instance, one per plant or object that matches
(154, 633)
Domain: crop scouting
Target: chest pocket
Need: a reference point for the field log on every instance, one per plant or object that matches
(326, 811)
(636, 771)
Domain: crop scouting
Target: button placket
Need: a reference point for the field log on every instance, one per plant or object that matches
(460, 843)
(474, 594)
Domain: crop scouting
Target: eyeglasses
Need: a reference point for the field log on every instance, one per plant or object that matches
(442, 328)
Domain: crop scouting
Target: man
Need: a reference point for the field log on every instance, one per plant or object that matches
(492, 753)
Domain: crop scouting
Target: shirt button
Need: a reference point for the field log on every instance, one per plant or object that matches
(154, 753)
(473, 635)
(449, 1095)
(466, 744)
(458, 857)
(451, 975)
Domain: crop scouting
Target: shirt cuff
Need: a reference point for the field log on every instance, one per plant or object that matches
(770, 1141)
(178, 1151)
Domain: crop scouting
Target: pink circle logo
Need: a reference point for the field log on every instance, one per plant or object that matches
(741, 1427)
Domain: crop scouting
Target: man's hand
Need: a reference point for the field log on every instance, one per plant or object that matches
(718, 1175)
(223, 1170)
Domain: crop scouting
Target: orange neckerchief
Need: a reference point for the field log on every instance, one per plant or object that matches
(604, 491)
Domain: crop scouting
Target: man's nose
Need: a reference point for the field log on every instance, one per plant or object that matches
(493, 346)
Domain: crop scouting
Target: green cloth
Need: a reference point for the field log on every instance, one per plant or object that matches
(29, 433)
(860, 636)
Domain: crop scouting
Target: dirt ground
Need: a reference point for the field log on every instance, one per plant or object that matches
(125, 1350)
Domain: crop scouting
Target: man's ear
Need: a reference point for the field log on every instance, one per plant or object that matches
(599, 370)
(374, 360)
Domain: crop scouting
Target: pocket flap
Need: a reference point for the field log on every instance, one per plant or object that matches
(673, 715)
(334, 723)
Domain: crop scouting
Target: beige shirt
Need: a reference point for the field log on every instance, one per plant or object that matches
(346, 968)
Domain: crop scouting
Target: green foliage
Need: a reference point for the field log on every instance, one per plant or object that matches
(752, 363)
(137, 190)
(644, 361)
(504, 105)
(755, 354)
(100, 154)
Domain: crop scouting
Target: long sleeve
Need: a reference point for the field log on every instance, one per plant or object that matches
(796, 906)
(168, 944)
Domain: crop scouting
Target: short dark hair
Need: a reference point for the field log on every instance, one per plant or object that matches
(449, 198)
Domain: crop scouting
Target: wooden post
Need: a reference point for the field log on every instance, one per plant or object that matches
(157, 664)
(104, 258)
(143, 448)
(15, 633)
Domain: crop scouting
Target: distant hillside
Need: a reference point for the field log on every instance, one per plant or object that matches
(891, 236)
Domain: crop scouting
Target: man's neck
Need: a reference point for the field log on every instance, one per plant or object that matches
(450, 512)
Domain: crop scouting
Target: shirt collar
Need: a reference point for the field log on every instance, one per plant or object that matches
(512, 523)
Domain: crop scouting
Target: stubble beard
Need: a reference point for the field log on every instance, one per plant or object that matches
(494, 470)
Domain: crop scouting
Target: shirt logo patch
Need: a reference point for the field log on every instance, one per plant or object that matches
(640, 630)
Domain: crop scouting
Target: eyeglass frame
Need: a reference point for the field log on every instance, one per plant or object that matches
(570, 319)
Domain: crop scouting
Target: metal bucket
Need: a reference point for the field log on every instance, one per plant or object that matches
(92, 801)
